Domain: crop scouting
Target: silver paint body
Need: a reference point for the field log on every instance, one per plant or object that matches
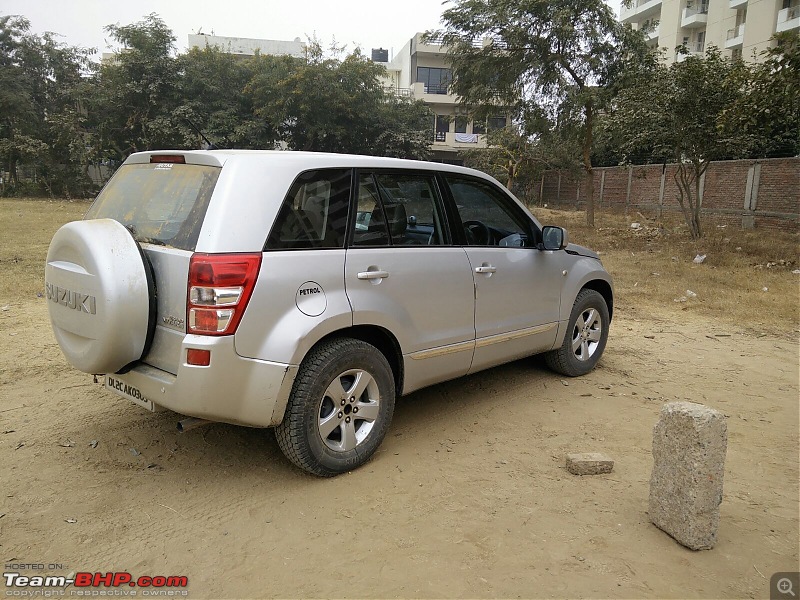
(448, 319)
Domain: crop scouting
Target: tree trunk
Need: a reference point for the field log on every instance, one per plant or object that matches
(587, 164)
(511, 170)
(683, 180)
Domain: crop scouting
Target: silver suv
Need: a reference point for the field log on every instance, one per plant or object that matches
(307, 291)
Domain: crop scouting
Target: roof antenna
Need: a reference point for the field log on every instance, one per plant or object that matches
(211, 145)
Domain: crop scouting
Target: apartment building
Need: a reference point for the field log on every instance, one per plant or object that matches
(422, 71)
(740, 28)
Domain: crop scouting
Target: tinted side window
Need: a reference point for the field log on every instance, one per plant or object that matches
(314, 212)
(412, 213)
(488, 217)
(370, 226)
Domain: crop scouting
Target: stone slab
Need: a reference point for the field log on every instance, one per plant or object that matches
(589, 463)
(689, 446)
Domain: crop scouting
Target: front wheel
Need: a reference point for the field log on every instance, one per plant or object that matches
(340, 408)
(585, 340)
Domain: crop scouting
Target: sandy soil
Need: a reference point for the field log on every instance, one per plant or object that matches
(468, 496)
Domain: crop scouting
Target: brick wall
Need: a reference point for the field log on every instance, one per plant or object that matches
(763, 194)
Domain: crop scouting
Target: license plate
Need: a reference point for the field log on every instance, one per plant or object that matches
(128, 391)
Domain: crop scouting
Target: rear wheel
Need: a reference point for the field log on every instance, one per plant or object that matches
(585, 340)
(340, 408)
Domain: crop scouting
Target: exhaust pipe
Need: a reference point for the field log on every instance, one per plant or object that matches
(191, 423)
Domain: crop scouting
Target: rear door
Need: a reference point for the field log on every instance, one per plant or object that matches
(403, 273)
(517, 286)
(162, 202)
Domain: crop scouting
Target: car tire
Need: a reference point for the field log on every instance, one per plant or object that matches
(340, 408)
(586, 336)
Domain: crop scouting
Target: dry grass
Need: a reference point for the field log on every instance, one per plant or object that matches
(26, 227)
(651, 266)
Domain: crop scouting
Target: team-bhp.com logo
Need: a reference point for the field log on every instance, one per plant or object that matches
(87, 584)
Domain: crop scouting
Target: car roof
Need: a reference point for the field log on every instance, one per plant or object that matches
(309, 160)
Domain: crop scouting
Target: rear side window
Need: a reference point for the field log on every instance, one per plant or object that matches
(314, 212)
(161, 203)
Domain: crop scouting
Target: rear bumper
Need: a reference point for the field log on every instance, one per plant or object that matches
(232, 389)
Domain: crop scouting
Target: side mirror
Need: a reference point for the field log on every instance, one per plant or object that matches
(554, 238)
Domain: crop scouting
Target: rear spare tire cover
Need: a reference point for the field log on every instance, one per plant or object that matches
(98, 295)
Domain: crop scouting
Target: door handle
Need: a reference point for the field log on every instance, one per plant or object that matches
(373, 274)
(484, 268)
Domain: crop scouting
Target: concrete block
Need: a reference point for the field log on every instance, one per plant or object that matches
(589, 463)
(689, 445)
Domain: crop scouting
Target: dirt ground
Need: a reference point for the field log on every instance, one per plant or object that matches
(467, 497)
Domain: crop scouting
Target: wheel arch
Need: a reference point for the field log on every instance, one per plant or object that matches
(383, 340)
(603, 288)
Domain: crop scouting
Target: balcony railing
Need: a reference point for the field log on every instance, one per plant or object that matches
(639, 10)
(736, 32)
(788, 18)
(440, 136)
(695, 15)
(437, 89)
(438, 40)
(397, 91)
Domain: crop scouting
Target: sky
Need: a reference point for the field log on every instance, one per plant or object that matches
(365, 23)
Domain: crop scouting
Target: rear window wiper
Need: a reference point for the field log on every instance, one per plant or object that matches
(154, 241)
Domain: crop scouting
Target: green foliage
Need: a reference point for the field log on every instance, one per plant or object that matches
(330, 103)
(41, 126)
(133, 96)
(767, 115)
(558, 56)
(676, 115)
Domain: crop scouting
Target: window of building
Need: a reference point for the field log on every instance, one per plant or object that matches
(496, 123)
(314, 212)
(436, 80)
(478, 127)
(461, 124)
(442, 127)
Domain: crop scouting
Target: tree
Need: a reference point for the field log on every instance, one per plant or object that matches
(675, 115)
(41, 121)
(212, 104)
(768, 113)
(561, 56)
(331, 104)
(521, 152)
(135, 94)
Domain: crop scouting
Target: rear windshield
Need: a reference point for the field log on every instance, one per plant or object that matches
(160, 203)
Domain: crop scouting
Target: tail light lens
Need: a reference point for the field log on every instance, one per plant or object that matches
(220, 285)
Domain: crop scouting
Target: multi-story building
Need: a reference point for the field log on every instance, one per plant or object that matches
(422, 71)
(740, 28)
(249, 46)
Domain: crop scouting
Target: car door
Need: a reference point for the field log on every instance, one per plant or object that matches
(517, 286)
(403, 273)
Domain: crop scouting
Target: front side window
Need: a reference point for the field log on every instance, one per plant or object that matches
(314, 212)
(488, 216)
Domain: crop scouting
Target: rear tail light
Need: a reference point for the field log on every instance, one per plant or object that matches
(220, 286)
